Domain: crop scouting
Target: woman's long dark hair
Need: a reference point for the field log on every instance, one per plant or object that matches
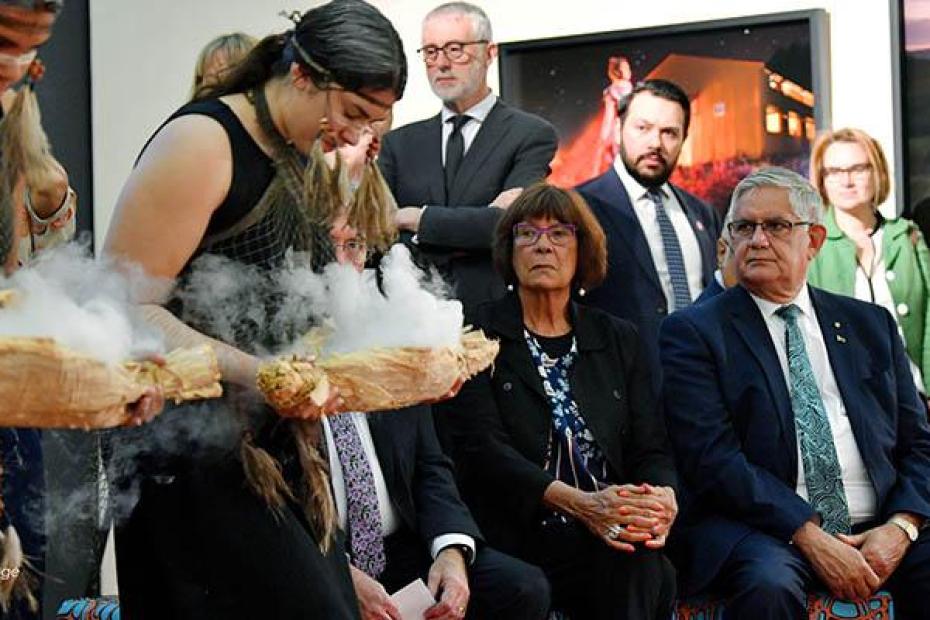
(349, 42)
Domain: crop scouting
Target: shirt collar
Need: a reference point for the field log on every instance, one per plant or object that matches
(634, 189)
(478, 112)
(802, 300)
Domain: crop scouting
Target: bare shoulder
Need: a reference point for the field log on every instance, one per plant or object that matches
(193, 135)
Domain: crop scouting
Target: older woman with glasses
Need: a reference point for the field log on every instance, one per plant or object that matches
(867, 256)
(561, 449)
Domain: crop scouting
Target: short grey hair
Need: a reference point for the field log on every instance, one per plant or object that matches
(805, 200)
(481, 25)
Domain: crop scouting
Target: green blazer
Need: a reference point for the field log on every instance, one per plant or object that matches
(907, 269)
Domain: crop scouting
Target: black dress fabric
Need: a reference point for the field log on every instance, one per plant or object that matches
(199, 543)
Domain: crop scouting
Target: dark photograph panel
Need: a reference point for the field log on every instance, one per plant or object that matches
(916, 121)
(751, 85)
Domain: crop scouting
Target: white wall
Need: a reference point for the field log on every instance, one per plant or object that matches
(142, 56)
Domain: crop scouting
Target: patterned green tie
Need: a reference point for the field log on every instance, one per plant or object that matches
(818, 453)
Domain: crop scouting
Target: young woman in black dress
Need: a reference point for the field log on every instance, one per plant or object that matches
(245, 528)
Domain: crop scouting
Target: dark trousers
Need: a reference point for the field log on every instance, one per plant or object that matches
(502, 587)
(592, 581)
(765, 578)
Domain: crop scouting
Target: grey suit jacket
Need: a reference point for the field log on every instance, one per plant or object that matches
(512, 149)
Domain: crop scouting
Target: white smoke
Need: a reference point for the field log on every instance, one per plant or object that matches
(81, 303)
(362, 316)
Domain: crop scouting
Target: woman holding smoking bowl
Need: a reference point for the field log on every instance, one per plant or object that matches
(249, 530)
(562, 450)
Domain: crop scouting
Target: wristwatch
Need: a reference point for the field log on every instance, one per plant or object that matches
(909, 528)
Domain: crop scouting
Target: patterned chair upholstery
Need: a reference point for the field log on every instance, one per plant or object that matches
(89, 609)
(819, 607)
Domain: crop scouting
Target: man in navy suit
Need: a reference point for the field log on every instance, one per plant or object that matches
(802, 442)
(660, 238)
(418, 518)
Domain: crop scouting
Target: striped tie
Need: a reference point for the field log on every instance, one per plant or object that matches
(822, 471)
(673, 257)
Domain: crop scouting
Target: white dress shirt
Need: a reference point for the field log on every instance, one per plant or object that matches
(389, 519)
(645, 211)
(860, 493)
(478, 113)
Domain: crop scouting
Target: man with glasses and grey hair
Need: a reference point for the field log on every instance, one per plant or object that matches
(478, 152)
(802, 442)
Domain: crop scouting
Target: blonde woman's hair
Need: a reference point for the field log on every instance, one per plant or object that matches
(881, 179)
(231, 47)
(25, 155)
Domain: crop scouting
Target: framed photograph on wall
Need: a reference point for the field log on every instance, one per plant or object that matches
(911, 36)
(759, 90)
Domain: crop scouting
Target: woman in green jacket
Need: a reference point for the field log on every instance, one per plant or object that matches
(867, 256)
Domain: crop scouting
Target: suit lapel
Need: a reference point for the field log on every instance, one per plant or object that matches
(380, 431)
(702, 232)
(748, 322)
(432, 166)
(848, 360)
(489, 135)
(626, 225)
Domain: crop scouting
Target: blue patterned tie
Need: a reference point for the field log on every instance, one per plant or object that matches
(363, 518)
(673, 258)
(822, 471)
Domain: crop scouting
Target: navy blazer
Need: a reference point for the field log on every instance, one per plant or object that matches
(710, 291)
(632, 290)
(418, 475)
(732, 427)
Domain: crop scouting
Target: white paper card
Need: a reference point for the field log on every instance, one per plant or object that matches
(413, 600)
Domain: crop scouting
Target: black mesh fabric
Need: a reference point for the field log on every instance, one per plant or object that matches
(279, 225)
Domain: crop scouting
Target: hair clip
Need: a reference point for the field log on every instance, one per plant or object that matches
(35, 73)
(294, 16)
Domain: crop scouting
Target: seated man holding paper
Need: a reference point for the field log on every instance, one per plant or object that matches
(404, 519)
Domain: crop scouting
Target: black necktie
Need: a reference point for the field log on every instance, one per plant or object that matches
(455, 148)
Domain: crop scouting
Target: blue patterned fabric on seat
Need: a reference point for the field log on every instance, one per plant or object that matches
(89, 609)
(819, 607)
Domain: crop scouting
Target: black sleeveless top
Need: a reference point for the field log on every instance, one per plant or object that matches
(252, 172)
(242, 243)
(200, 544)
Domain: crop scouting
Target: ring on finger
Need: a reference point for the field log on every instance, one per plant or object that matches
(614, 531)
